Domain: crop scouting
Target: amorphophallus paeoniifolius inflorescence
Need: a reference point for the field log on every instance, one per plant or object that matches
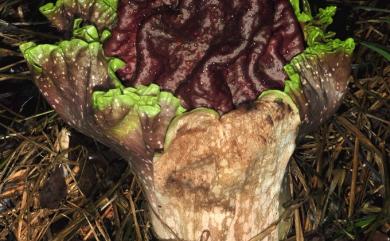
(205, 99)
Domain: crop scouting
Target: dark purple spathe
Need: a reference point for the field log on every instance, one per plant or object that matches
(214, 53)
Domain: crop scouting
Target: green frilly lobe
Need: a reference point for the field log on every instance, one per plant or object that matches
(89, 33)
(314, 51)
(35, 55)
(72, 74)
(146, 100)
(102, 13)
(83, 37)
(138, 117)
(319, 41)
(303, 12)
(38, 54)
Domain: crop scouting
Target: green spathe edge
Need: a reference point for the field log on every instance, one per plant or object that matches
(89, 33)
(145, 99)
(141, 101)
(38, 54)
(83, 37)
(304, 15)
(51, 8)
(318, 40)
(293, 84)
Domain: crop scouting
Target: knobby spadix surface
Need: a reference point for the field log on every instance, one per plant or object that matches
(205, 175)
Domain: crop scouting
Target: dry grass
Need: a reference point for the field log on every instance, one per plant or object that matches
(339, 176)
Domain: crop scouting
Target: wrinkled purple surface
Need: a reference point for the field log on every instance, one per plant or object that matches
(210, 53)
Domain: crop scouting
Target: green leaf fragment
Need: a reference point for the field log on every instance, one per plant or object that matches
(366, 221)
(380, 49)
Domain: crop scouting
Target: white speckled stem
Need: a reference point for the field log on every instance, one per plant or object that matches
(220, 177)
